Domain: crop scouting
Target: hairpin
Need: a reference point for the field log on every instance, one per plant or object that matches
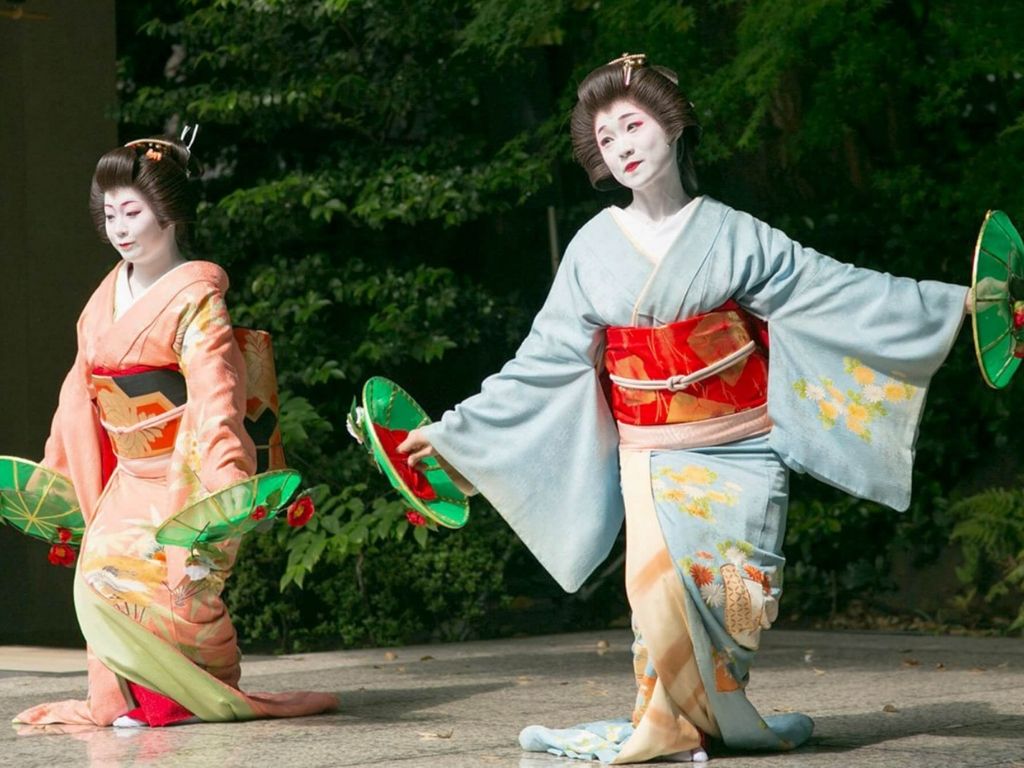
(154, 148)
(149, 145)
(629, 61)
(185, 131)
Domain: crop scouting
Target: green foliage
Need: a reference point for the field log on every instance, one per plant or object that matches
(504, 29)
(990, 532)
(376, 179)
(389, 593)
(829, 547)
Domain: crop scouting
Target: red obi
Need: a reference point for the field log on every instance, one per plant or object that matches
(703, 367)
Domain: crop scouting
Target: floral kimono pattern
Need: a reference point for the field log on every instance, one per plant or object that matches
(150, 418)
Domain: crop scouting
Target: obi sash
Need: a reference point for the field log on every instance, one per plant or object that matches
(262, 407)
(708, 368)
(140, 408)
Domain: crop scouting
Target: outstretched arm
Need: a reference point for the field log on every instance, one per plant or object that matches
(539, 441)
(853, 352)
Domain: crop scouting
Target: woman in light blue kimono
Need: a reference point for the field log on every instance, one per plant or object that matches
(675, 297)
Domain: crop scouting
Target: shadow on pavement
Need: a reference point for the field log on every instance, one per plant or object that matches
(386, 705)
(960, 719)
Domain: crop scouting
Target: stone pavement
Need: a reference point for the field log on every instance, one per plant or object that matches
(878, 699)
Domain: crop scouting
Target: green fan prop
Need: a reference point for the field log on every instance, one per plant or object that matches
(231, 511)
(386, 416)
(39, 501)
(998, 290)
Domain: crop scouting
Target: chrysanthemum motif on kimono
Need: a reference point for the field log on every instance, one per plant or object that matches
(868, 396)
(736, 589)
(735, 552)
(137, 442)
(695, 490)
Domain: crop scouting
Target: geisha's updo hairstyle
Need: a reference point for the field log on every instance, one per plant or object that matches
(653, 89)
(159, 169)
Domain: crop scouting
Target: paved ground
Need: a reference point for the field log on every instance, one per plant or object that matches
(878, 699)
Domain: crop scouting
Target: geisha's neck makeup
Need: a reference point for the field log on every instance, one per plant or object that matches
(136, 234)
(641, 157)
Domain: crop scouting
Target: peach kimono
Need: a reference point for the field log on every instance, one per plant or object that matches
(151, 417)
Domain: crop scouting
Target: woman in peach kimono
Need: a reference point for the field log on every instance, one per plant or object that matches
(151, 418)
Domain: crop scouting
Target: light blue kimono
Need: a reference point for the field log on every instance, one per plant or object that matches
(852, 353)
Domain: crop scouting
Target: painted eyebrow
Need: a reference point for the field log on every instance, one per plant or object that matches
(621, 117)
(126, 202)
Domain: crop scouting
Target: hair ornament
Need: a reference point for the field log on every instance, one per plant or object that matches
(194, 129)
(156, 146)
(629, 62)
(153, 149)
(149, 145)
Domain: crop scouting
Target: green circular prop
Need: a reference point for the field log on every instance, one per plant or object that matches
(388, 405)
(227, 513)
(38, 501)
(997, 281)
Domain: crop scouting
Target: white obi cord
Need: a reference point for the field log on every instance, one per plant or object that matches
(680, 382)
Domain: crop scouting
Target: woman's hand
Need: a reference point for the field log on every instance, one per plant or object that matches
(969, 302)
(418, 447)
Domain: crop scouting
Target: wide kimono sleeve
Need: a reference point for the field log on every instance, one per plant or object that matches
(73, 447)
(212, 449)
(852, 354)
(539, 440)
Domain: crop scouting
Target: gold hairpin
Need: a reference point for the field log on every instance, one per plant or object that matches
(629, 62)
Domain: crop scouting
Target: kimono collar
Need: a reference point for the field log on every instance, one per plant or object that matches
(167, 286)
(114, 338)
(661, 301)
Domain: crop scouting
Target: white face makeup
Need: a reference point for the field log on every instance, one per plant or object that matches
(133, 229)
(634, 146)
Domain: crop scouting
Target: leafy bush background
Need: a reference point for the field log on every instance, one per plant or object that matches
(378, 181)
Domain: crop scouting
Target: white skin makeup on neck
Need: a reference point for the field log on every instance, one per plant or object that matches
(642, 158)
(132, 227)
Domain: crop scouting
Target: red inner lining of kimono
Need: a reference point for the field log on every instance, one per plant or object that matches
(682, 348)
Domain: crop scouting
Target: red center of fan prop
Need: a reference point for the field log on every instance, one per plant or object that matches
(390, 439)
